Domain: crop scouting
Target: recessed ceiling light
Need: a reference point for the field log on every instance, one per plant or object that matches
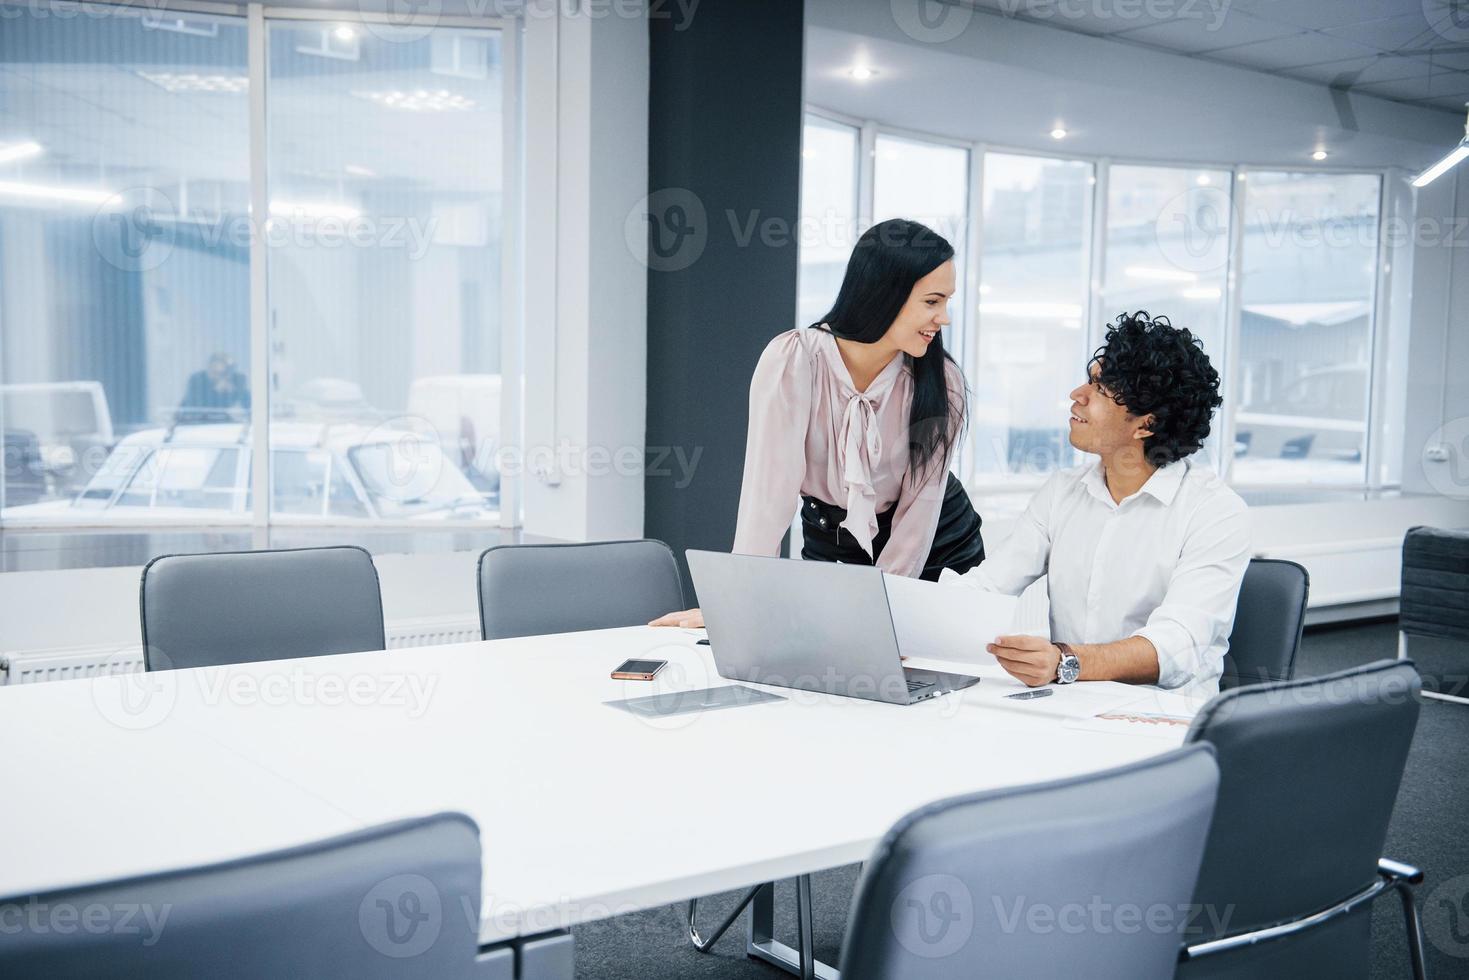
(1319, 155)
(1058, 133)
(862, 73)
(1202, 180)
(344, 33)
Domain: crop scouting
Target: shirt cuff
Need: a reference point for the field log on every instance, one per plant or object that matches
(1178, 656)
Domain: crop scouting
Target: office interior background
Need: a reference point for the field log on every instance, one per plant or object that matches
(282, 274)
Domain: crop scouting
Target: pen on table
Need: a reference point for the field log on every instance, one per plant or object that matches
(1040, 692)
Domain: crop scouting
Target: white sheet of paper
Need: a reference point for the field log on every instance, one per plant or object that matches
(948, 621)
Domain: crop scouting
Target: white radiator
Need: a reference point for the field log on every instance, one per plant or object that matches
(432, 631)
(31, 666)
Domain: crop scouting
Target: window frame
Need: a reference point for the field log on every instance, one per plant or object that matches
(1389, 212)
(254, 17)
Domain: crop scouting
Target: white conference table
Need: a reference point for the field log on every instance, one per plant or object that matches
(585, 811)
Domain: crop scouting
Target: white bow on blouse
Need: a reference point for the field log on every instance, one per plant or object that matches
(861, 454)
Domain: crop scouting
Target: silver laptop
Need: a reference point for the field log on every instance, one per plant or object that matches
(808, 625)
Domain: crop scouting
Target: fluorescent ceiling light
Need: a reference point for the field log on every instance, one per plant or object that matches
(297, 210)
(1050, 310)
(1058, 133)
(418, 100)
(1319, 155)
(1443, 166)
(171, 81)
(862, 73)
(1157, 274)
(54, 192)
(20, 151)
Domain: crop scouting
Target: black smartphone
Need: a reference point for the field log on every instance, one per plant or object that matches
(638, 670)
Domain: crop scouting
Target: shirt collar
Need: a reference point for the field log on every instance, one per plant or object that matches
(1165, 481)
(1161, 486)
(880, 384)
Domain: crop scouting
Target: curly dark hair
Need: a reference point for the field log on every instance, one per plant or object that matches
(1150, 367)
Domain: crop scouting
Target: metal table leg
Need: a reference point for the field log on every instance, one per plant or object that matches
(763, 945)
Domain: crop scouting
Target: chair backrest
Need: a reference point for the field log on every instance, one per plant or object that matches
(1308, 773)
(243, 606)
(530, 589)
(1085, 877)
(1434, 599)
(1268, 620)
(374, 903)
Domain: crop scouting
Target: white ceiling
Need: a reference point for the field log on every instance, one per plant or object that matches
(1008, 82)
(1411, 51)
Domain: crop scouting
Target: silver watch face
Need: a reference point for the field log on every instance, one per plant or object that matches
(1068, 668)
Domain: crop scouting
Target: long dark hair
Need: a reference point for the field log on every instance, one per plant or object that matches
(889, 258)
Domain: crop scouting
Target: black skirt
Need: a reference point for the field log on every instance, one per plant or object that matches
(957, 543)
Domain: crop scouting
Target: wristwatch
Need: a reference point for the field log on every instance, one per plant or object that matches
(1069, 667)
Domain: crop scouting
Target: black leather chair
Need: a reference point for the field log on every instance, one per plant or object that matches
(531, 589)
(243, 606)
(1085, 877)
(401, 899)
(1309, 771)
(1434, 602)
(1268, 621)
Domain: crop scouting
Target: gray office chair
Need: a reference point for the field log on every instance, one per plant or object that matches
(390, 901)
(244, 606)
(1434, 598)
(1268, 620)
(1308, 772)
(530, 589)
(1083, 877)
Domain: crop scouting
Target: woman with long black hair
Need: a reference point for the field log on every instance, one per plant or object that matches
(860, 415)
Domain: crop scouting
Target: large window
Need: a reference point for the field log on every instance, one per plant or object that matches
(1167, 252)
(1305, 336)
(1032, 313)
(128, 326)
(1274, 271)
(124, 290)
(928, 183)
(383, 161)
(828, 213)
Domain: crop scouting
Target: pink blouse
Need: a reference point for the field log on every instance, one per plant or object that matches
(813, 433)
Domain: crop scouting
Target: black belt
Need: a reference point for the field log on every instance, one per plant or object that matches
(957, 542)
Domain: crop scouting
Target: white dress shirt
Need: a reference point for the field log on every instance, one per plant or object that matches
(1166, 564)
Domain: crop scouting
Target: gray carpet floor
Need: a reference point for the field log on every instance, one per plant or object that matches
(1428, 830)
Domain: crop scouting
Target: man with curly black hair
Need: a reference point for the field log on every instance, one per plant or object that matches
(1145, 548)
